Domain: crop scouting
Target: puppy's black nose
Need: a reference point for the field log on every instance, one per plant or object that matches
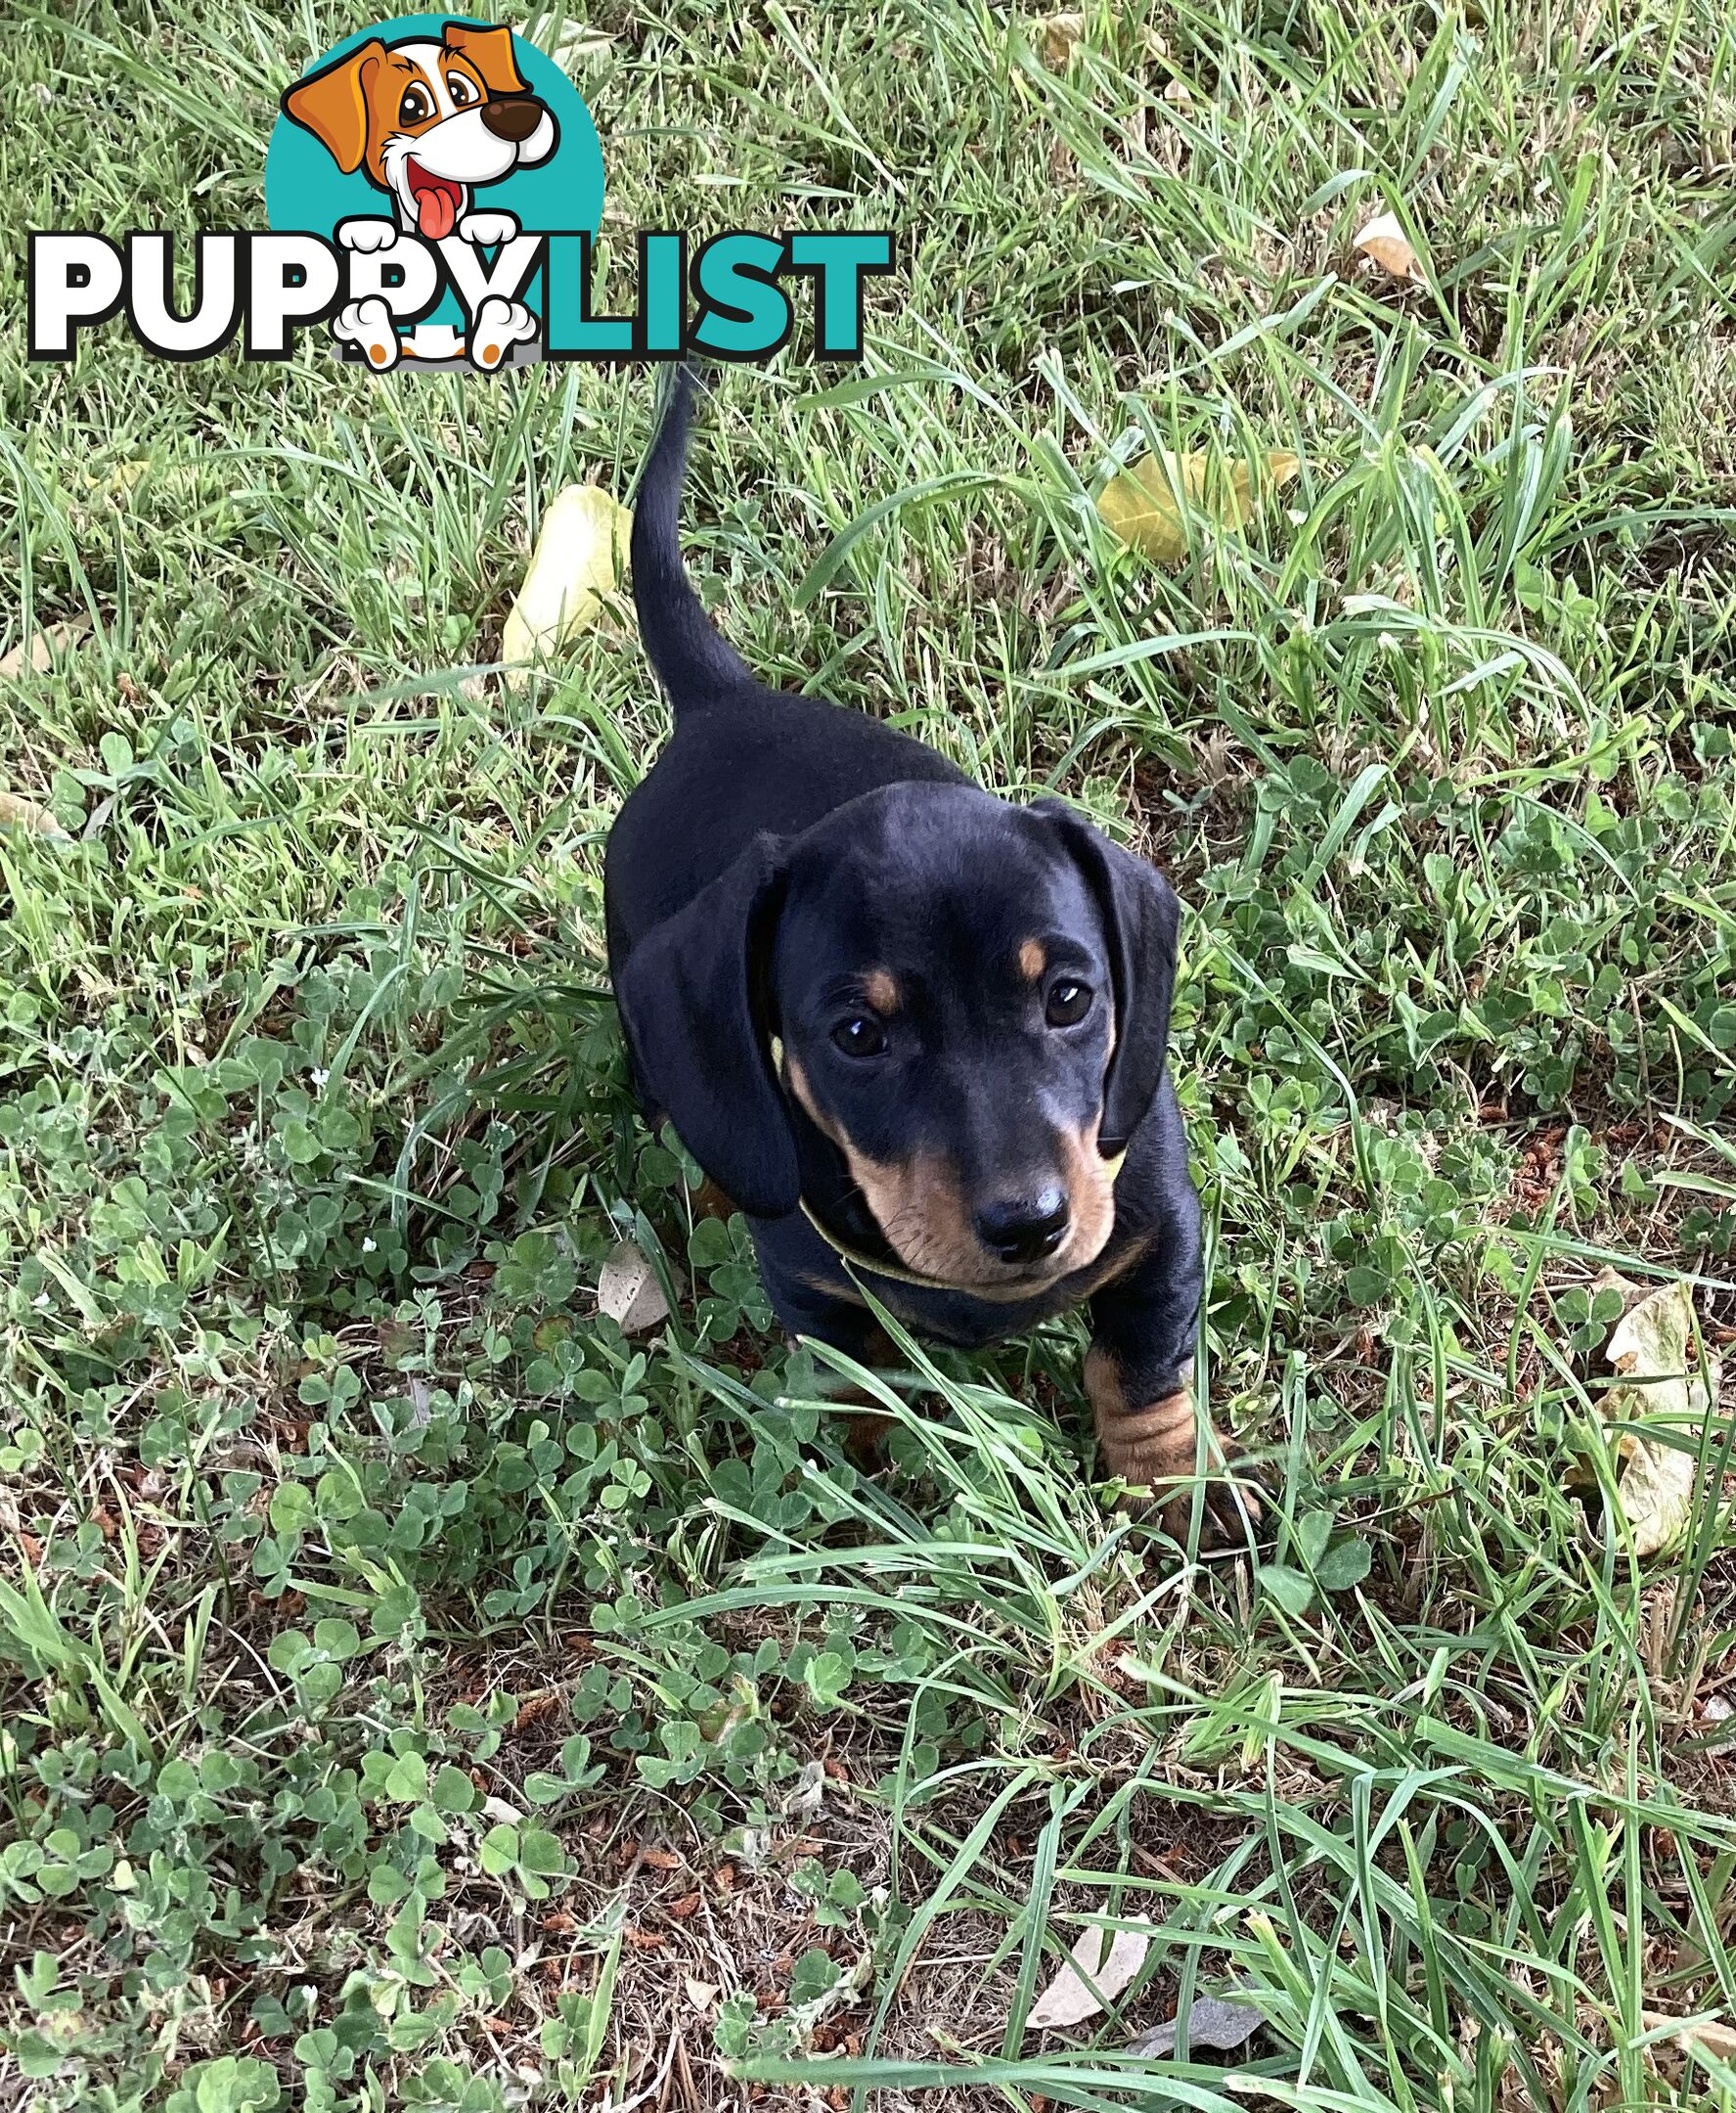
(512, 117)
(1024, 1227)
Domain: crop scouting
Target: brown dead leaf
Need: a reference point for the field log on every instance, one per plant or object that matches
(16, 812)
(1385, 242)
(534, 1707)
(44, 647)
(1695, 2036)
(1089, 1980)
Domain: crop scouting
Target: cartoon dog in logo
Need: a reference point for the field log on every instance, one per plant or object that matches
(428, 123)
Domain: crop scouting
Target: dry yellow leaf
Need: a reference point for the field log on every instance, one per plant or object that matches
(1146, 505)
(121, 479)
(40, 652)
(1653, 1351)
(576, 564)
(1696, 2035)
(628, 1291)
(16, 812)
(1059, 34)
(1656, 1485)
(1087, 1980)
(582, 45)
(1387, 242)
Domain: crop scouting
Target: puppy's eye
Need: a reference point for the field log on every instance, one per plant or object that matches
(1068, 1003)
(461, 90)
(860, 1035)
(416, 105)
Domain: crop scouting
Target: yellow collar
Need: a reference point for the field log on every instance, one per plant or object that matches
(875, 1269)
(898, 1273)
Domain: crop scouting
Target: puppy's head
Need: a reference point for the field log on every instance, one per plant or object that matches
(973, 1004)
(427, 122)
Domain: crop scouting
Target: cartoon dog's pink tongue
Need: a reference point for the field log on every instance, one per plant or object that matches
(437, 202)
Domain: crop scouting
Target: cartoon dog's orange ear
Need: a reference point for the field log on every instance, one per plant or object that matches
(490, 52)
(333, 104)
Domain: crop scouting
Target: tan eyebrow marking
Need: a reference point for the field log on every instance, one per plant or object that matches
(880, 988)
(1033, 960)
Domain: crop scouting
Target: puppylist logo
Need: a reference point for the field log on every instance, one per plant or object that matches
(435, 190)
(418, 151)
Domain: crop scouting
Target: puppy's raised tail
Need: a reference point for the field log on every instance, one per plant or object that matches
(695, 662)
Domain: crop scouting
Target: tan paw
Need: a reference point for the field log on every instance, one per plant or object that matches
(1233, 1509)
(1154, 1448)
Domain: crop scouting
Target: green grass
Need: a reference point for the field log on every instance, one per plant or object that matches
(415, 1694)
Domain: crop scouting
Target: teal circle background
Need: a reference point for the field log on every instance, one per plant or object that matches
(307, 193)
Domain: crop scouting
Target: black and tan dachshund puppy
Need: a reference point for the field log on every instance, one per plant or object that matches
(905, 1025)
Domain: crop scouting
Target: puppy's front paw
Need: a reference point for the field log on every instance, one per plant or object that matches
(368, 325)
(486, 229)
(366, 234)
(1234, 1507)
(1153, 1447)
(500, 324)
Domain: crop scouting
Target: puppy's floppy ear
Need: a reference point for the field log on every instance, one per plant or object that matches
(490, 52)
(333, 104)
(1141, 920)
(689, 996)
